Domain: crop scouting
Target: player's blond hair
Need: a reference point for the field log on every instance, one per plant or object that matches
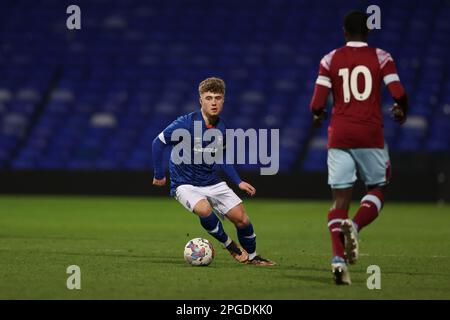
(213, 84)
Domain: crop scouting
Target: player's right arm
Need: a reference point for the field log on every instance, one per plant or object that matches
(163, 140)
(395, 87)
(158, 147)
(321, 91)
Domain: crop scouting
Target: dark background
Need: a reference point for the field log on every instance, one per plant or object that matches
(79, 108)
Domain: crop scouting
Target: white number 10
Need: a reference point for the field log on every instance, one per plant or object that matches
(360, 96)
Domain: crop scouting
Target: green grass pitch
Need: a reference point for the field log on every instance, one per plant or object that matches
(132, 248)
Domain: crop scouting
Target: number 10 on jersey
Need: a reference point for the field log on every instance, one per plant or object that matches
(352, 85)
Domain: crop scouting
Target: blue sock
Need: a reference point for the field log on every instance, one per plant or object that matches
(247, 239)
(214, 226)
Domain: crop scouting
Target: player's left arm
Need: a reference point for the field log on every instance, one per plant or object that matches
(392, 81)
(231, 172)
(234, 176)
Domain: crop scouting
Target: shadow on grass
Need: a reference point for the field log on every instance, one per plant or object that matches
(302, 268)
(417, 273)
(70, 238)
(325, 280)
(134, 257)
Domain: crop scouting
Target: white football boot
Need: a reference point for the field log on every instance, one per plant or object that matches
(350, 240)
(340, 271)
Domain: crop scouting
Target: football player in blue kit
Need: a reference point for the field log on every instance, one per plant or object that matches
(196, 185)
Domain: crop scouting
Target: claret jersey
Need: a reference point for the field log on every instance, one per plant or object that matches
(354, 74)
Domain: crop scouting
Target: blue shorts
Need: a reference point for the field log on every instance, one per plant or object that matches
(372, 164)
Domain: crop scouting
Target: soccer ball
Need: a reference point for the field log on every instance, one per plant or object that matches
(199, 252)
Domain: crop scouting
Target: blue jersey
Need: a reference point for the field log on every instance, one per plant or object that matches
(202, 174)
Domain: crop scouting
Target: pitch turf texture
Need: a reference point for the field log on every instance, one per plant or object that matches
(132, 248)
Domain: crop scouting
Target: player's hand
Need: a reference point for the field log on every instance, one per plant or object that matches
(247, 187)
(159, 182)
(318, 119)
(397, 114)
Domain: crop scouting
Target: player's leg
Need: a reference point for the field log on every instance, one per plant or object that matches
(341, 176)
(337, 214)
(210, 222)
(228, 204)
(246, 234)
(196, 200)
(193, 200)
(370, 207)
(374, 167)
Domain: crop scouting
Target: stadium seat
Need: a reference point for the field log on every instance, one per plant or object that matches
(95, 100)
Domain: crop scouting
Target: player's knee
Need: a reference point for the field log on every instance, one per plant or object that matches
(203, 209)
(242, 221)
(204, 212)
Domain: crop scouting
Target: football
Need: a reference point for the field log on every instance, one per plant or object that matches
(199, 252)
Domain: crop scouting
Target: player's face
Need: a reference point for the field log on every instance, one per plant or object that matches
(212, 103)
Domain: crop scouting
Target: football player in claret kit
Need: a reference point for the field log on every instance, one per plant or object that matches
(197, 186)
(355, 73)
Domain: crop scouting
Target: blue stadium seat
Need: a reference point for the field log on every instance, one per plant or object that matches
(95, 100)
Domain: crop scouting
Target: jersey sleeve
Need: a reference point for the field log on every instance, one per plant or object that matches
(166, 135)
(324, 78)
(157, 155)
(390, 74)
(323, 85)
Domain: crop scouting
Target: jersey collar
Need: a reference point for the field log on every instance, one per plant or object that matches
(200, 117)
(356, 44)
